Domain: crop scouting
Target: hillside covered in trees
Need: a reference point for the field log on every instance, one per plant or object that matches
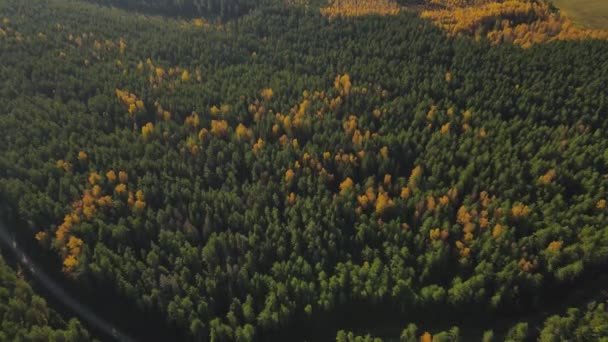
(294, 170)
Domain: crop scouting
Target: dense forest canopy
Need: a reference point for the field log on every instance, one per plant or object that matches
(187, 8)
(287, 171)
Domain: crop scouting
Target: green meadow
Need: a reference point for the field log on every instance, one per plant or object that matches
(587, 13)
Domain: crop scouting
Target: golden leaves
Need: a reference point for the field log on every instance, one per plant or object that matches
(435, 234)
(520, 210)
(445, 128)
(497, 231)
(83, 156)
(242, 132)
(123, 177)
(133, 104)
(357, 8)
(94, 178)
(555, 246)
(405, 192)
(258, 145)
(219, 128)
(111, 176)
(414, 177)
(146, 130)
(41, 235)
(536, 23)
(69, 263)
(200, 22)
(526, 265)
(350, 125)
(120, 189)
(384, 152)
(346, 185)
(267, 94)
(383, 202)
(291, 199)
(193, 120)
(185, 76)
(547, 177)
(289, 174)
(64, 165)
(342, 84)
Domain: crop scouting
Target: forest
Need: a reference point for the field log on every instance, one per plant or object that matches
(25, 316)
(351, 170)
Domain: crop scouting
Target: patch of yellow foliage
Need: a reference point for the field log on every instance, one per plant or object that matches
(147, 130)
(345, 185)
(547, 177)
(219, 127)
(358, 8)
(555, 246)
(522, 22)
(289, 174)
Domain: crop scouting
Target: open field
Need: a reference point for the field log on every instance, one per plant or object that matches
(588, 13)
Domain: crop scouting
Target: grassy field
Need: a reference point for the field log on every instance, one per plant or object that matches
(587, 13)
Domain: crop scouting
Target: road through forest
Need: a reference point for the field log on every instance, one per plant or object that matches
(8, 241)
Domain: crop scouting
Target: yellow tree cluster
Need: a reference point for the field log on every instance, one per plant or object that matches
(185, 76)
(200, 22)
(93, 199)
(222, 109)
(520, 210)
(267, 94)
(140, 202)
(527, 265)
(65, 166)
(130, 100)
(219, 128)
(348, 158)
(547, 177)
(161, 113)
(475, 220)
(147, 130)
(258, 145)
(192, 145)
(242, 132)
(378, 199)
(342, 84)
(258, 110)
(555, 246)
(297, 119)
(289, 174)
(157, 74)
(83, 156)
(309, 164)
(357, 8)
(193, 120)
(84, 208)
(521, 22)
(346, 185)
(414, 177)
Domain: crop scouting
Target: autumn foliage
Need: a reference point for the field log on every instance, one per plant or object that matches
(522, 22)
(357, 8)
